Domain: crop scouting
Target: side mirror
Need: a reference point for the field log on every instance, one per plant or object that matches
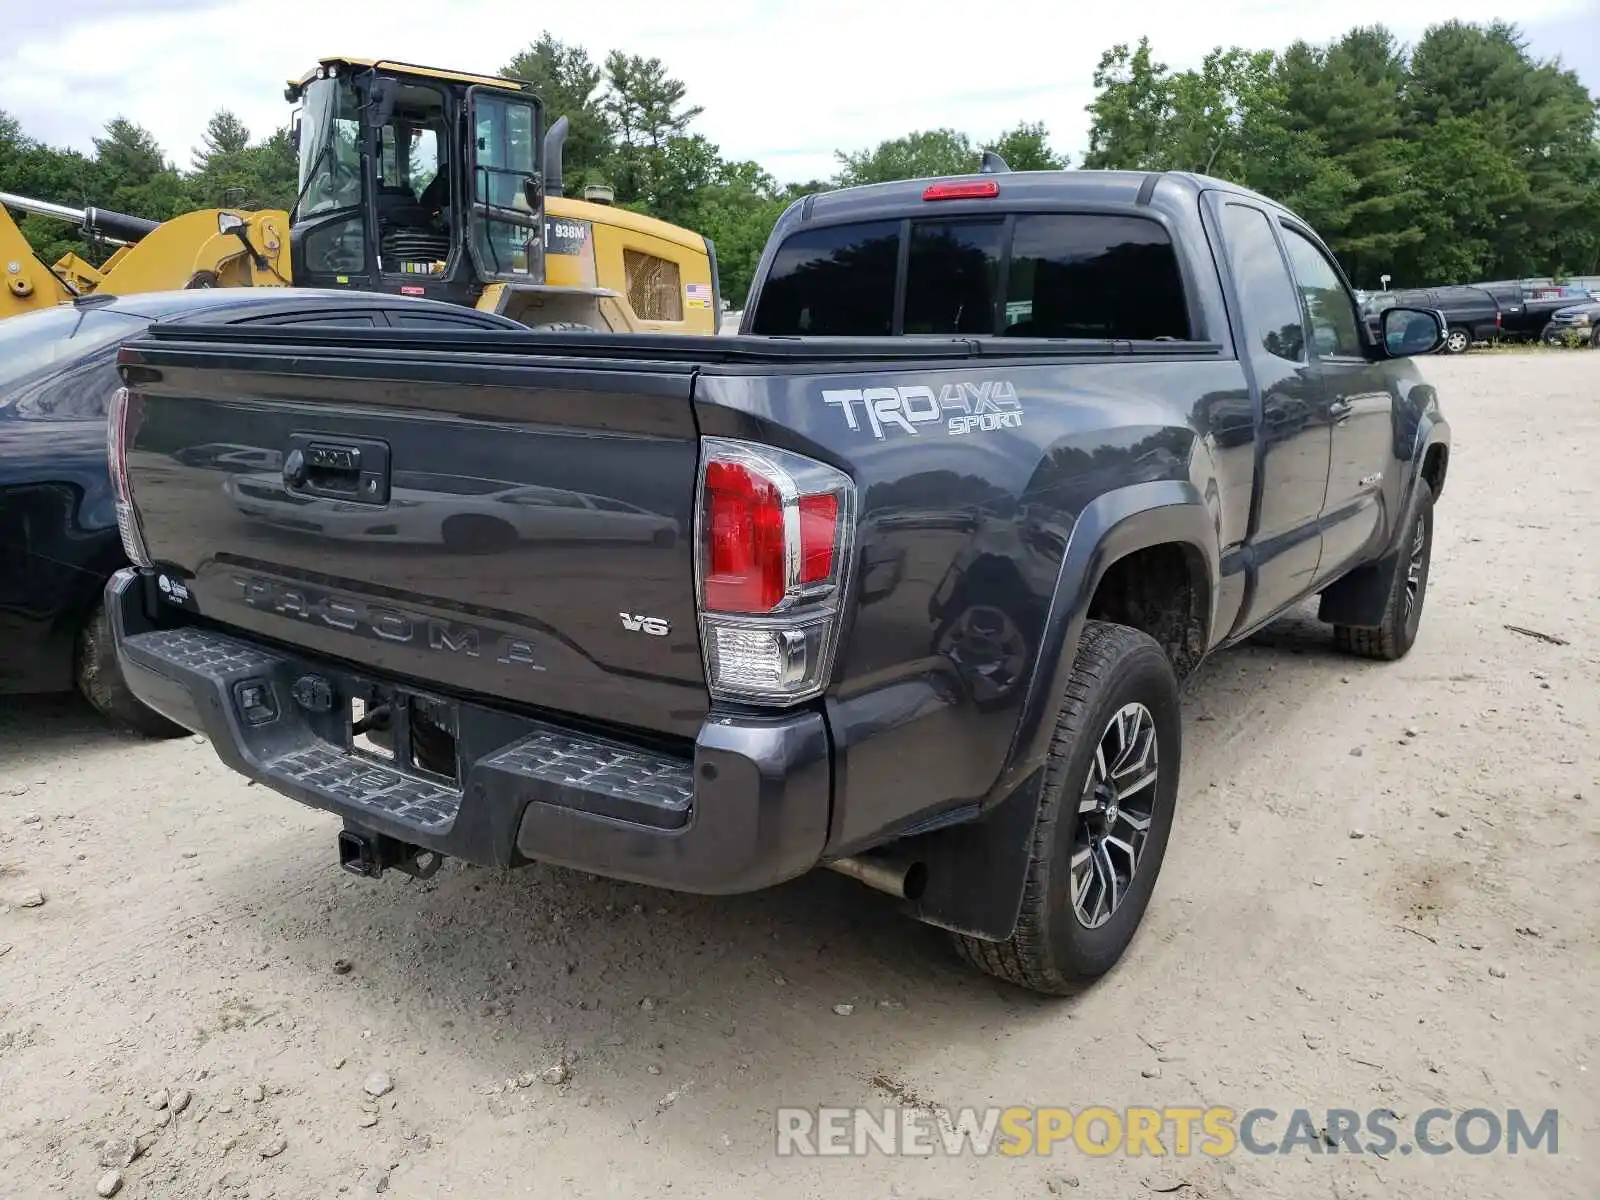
(381, 99)
(533, 192)
(1411, 331)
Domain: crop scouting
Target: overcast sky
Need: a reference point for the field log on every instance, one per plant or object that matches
(785, 82)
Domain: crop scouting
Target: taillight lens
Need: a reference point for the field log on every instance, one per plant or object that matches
(117, 460)
(773, 543)
(976, 189)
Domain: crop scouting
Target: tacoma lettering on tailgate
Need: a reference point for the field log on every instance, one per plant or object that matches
(384, 623)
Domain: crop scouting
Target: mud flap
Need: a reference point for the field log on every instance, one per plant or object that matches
(1359, 599)
(976, 871)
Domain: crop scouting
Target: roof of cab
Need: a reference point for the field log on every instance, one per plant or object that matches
(405, 68)
(1017, 188)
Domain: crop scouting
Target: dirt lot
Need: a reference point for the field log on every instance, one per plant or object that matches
(1381, 893)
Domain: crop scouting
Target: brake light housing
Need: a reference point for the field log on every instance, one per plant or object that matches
(774, 531)
(117, 460)
(971, 189)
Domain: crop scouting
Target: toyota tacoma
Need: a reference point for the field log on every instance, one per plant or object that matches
(900, 581)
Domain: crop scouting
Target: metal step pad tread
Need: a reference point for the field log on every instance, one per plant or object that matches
(213, 655)
(355, 780)
(638, 783)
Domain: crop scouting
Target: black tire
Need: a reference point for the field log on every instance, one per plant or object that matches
(1550, 337)
(201, 279)
(563, 327)
(99, 679)
(1457, 340)
(1394, 638)
(1594, 339)
(1052, 950)
(473, 534)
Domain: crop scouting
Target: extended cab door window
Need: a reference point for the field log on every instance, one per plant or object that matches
(834, 280)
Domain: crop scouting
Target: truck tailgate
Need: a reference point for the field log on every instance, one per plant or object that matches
(517, 532)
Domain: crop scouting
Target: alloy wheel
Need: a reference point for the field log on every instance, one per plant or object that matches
(1114, 815)
(1415, 566)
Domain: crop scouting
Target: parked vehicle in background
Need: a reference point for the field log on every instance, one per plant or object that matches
(931, 598)
(1471, 314)
(1523, 314)
(1574, 322)
(58, 523)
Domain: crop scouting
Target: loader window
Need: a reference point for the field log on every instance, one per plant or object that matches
(330, 149)
(413, 200)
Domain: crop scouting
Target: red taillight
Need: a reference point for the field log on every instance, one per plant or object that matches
(117, 462)
(819, 525)
(773, 546)
(745, 569)
(977, 189)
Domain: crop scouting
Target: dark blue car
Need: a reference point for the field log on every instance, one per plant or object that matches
(58, 527)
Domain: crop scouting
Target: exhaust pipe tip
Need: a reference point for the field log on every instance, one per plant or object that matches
(905, 879)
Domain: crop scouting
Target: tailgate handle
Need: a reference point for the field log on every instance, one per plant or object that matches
(354, 469)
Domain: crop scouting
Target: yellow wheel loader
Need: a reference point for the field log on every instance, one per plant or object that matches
(207, 248)
(414, 180)
(447, 184)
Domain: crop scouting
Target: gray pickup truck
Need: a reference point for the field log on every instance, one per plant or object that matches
(900, 581)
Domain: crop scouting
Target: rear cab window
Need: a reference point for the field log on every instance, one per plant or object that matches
(1042, 275)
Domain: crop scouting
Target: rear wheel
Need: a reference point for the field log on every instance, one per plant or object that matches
(1110, 790)
(563, 327)
(99, 679)
(1457, 340)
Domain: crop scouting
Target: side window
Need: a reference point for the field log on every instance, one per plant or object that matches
(835, 280)
(1083, 276)
(1329, 308)
(953, 275)
(1271, 311)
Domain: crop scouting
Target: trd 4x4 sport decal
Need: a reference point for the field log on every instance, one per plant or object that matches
(963, 407)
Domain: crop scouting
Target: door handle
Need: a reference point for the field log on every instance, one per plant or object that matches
(348, 469)
(1339, 409)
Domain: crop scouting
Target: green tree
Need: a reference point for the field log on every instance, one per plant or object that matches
(1129, 115)
(922, 155)
(1026, 147)
(1535, 115)
(568, 82)
(646, 109)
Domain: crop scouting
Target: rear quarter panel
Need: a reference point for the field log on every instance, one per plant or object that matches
(962, 541)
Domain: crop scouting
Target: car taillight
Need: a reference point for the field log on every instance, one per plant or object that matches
(773, 536)
(117, 459)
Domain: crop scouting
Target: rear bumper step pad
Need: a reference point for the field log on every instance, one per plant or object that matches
(749, 810)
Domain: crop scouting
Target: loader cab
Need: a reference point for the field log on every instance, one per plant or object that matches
(416, 181)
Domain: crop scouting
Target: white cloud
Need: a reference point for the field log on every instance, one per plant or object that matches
(782, 82)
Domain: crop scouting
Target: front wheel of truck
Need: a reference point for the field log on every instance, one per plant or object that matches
(1110, 789)
(1408, 588)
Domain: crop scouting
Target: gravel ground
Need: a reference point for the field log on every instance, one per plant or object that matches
(201, 987)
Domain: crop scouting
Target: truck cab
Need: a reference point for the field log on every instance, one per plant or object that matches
(448, 185)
